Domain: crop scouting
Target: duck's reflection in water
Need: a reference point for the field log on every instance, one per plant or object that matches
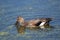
(22, 29)
(47, 28)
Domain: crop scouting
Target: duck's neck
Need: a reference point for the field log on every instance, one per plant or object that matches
(21, 22)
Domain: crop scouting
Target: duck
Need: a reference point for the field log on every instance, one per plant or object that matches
(20, 24)
(40, 22)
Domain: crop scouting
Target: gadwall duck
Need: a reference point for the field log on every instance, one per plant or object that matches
(42, 22)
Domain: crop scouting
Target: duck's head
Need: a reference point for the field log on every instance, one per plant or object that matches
(20, 19)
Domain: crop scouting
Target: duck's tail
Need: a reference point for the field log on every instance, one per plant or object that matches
(49, 19)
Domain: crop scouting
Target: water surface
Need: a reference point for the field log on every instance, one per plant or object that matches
(29, 9)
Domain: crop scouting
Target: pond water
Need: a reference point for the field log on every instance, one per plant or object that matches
(29, 9)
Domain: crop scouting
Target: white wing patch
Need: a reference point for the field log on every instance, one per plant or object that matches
(42, 23)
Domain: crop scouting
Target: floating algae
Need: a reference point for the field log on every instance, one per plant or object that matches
(4, 33)
(10, 27)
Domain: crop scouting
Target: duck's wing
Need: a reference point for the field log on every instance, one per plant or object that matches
(43, 21)
(33, 21)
